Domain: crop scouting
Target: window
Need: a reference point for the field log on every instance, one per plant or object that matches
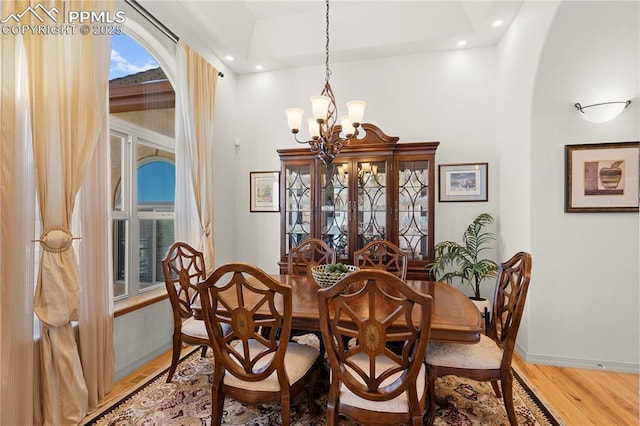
(143, 206)
(141, 103)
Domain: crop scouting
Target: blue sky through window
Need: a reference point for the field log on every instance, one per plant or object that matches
(156, 182)
(128, 57)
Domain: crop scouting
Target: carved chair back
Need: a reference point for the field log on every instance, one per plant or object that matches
(382, 254)
(232, 295)
(183, 268)
(310, 252)
(512, 285)
(375, 318)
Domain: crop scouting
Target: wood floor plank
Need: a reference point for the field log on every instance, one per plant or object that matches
(585, 397)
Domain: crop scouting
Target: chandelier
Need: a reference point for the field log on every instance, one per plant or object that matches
(326, 137)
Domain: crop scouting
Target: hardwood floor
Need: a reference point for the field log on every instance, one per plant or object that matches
(579, 397)
(585, 397)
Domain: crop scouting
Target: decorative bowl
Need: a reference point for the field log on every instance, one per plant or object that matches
(327, 279)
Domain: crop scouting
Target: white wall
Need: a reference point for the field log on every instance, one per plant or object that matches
(518, 56)
(140, 336)
(584, 305)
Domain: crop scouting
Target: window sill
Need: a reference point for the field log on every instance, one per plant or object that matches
(131, 304)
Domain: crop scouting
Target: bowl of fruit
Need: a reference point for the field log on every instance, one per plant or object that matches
(328, 275)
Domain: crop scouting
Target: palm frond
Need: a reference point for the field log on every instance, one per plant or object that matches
(464, 259)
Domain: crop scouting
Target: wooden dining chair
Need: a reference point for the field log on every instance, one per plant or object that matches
(248, 366)
(310, 252)
(370, 383)
(382, 254)
(490, 359)
(183, 267)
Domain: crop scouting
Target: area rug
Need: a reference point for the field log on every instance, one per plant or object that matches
(187, 402)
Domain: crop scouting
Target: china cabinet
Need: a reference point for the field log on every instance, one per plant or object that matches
(376, 188)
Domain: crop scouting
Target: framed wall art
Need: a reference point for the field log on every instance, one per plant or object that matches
(602, 177)
(463, 182)
(263, 189)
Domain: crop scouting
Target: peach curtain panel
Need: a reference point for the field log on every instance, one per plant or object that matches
(17, 228)
(195, 105)
(68, 81)
(95, 319)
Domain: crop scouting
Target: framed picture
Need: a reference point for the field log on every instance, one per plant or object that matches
(601, 177)
(463, 182)
(264, 191)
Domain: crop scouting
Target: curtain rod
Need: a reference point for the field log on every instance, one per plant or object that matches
(156, 23)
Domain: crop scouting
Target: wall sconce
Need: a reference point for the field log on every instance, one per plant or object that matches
(602, 112)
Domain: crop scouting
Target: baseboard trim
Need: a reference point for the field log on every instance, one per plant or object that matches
(140, 362)
(589, 364)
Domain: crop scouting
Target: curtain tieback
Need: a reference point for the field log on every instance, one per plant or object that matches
(56, 239)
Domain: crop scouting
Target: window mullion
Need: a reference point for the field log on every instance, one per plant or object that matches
(134, 236)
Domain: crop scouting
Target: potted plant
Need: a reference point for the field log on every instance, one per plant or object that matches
(464, 261)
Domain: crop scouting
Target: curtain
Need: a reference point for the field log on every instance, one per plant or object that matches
(195, 105)
(95, 321)
(17, 227)
(68, 81)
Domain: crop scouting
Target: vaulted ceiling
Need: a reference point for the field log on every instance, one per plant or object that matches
(278, 34)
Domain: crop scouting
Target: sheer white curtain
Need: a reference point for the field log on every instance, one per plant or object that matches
(68, 80)
(17, 227)
(195, 105)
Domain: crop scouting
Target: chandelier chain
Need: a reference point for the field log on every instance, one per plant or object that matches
(326, 63)
(326, 135)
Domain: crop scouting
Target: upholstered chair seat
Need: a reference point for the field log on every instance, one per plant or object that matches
(399, 404)
(196, 328)
(298, 360)
(484, 355)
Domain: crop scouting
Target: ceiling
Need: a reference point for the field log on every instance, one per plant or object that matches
(280, 34)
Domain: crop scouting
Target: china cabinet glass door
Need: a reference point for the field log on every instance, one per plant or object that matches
(372, 201)
(298, 203)
(335, 208)
(413, 208)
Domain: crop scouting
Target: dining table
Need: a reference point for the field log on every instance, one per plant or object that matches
(455, 318)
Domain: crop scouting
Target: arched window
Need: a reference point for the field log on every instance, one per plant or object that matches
(141, 104)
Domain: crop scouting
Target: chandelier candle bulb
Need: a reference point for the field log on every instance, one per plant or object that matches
(314, 128)
(347, 127)
(294, 118)
(356, 111)
(320, 107)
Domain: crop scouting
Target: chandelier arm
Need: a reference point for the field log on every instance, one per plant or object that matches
(314, 145)
(295, 136)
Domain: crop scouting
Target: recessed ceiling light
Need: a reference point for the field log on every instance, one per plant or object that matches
(259, 67)
(497, 23)
(462, 43)
(229, 58)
